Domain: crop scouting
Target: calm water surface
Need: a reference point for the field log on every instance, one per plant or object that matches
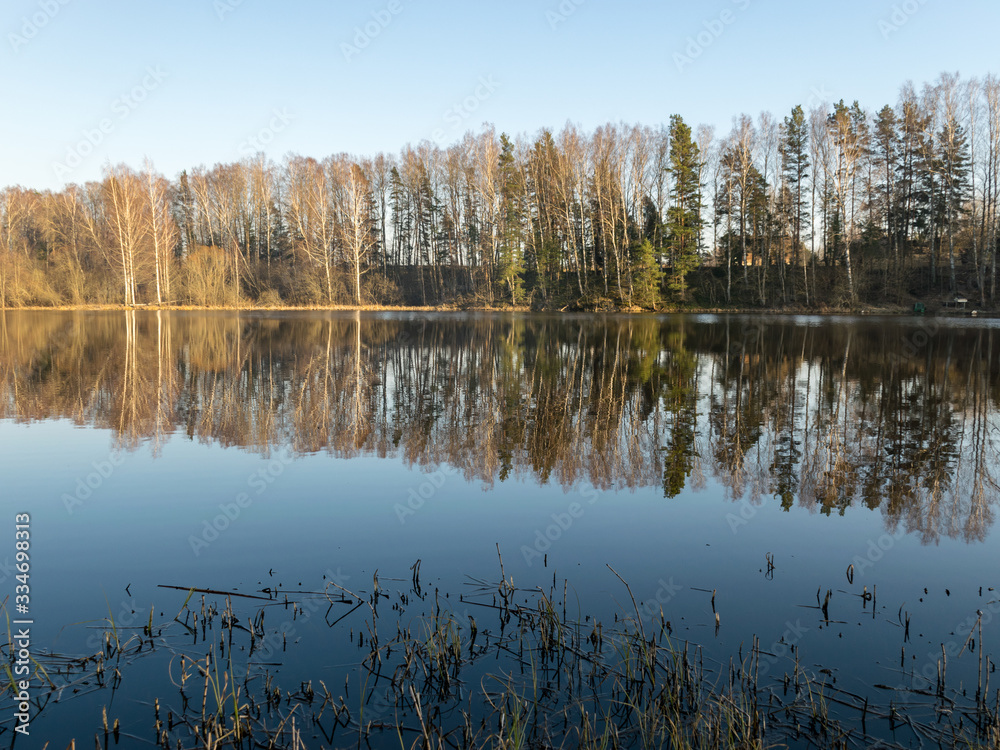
(254, 452)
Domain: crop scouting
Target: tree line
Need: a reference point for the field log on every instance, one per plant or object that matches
(831, 206)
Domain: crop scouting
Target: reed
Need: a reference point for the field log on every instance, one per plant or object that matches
(521, 673)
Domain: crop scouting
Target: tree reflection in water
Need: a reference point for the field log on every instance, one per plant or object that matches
(821, 415)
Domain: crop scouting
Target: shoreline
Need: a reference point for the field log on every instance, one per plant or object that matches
(862, 310)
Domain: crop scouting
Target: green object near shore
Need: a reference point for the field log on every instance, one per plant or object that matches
(919, 309)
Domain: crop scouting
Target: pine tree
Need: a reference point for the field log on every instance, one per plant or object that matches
(886, 155)
(684, 215)
(794, 149)
(510, 264)
(912, 127)
(954, 145)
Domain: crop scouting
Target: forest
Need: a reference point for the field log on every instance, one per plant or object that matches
(834, 207)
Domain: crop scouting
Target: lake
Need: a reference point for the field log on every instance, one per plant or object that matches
(808, 499)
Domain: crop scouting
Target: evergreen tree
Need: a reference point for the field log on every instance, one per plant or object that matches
(684, 215)
(886, 155)
(954, 160)
(647, 276)
(912, 199)
(794, 149)
(400, 217)
(510, 263)
(184, 214)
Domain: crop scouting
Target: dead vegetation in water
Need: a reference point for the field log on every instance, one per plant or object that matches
(501, 667)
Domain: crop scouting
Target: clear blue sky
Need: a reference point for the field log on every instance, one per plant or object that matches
(223, 68)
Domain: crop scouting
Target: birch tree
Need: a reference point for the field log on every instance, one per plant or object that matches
(162, 230)
(849, 144)
(123, 194)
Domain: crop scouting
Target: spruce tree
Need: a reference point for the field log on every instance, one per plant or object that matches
(646, 276)
(684, 215)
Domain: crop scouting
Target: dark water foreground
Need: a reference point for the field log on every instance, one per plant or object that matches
(455, 530)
